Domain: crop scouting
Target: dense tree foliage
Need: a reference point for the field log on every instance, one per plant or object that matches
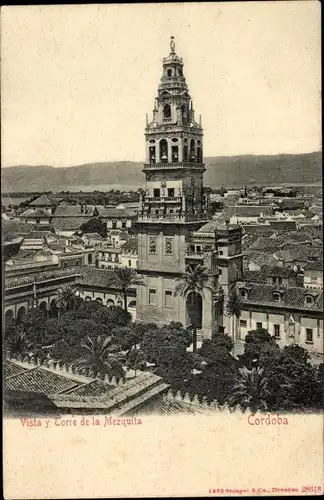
(94, 225)
(105, 341)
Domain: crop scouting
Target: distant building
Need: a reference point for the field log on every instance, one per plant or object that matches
(67, 218)
(72, 258)
(37, 240)
(45, 202)
(294, 315)
(117, 238)
(129, 253)
(108, 257)
(95, 284)
(313, 274)
(37, 216)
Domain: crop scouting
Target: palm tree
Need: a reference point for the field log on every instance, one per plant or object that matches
(66, 297)
(234, 309)
(19, 343)
(251, 390)
(99, 358)
(192, 284)
(124, 278)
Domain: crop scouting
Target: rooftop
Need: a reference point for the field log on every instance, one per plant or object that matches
(69, 390)
(315, 266)
(69, 210)
(131, 245)
(291, 297)
(69, 223)
(32, 213)
(44, 201)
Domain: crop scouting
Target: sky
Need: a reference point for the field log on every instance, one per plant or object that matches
(77, 80)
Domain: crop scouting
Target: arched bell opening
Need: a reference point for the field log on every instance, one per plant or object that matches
(164, 151)
(167, 111)
(192, 154)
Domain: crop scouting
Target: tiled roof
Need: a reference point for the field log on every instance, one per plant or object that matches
(30, 213)
(312, 232)
(69, 223)
(11, 369)
(210, 227)
(69, 210)
(254, 276)
(265, 243)
(124, 236)
(35, 235)
(95, 277)
(249, 210)
(43, 200)
(282, 272)
(298, 252)
(121, 399)
(56, 246)
(292, 297)
(11, 229)
(110, 249)
(131, 245)
(315, 266)
(260, 229)
(94, 388)
(41, 381)
(116, 213)
(25, 254)
(283, 225)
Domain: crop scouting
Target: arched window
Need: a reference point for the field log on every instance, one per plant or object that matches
(87, 298)
(184, 111)
(99, 299)
(152, 154)
(167, 111)
(53, 309)
(110, 303)
(199, 154)
(21, 314)
(185, 150)
(192, 155)
(169, 72)
(9, 317)
(164, 151)
(175, 153)
(43, 308)
(132, 304)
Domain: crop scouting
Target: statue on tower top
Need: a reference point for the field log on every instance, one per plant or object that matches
(172, 45)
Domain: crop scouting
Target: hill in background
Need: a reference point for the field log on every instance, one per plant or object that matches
(221, 170)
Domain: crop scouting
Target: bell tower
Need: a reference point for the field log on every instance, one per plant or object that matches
(173, 203)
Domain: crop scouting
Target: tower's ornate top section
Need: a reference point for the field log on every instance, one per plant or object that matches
(173, 106)
(172, 57)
